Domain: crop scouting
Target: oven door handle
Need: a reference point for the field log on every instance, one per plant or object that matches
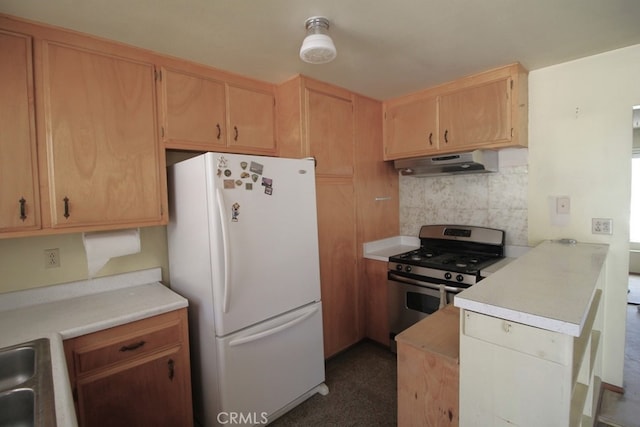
(434, 286)
(409, 281)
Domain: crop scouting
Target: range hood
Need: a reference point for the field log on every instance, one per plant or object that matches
(478, 161)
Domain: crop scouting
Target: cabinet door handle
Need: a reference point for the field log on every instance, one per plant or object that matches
(219, 130)
(235, 129)
(66, 207)
(446, 133)
(133, 346)
(23, 209)
(171, 366)
(430, 138)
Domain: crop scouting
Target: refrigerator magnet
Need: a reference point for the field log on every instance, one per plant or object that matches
(268, 185)
(229, 184)
(254, 177)
(256, 168)
(243, 165)
(248, 186)
(222, 162)
(235, 212)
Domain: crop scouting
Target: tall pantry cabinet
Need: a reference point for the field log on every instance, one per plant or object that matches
(342, 131)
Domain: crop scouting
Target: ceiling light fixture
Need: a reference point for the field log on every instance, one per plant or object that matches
(317, 47)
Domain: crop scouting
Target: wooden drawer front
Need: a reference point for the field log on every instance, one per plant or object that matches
(536, 342)
(127, 347)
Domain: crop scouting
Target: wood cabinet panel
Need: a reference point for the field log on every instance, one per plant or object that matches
(103, 156)
(19, 197)
(411, 128)
(427, 388)
(376, 301)
(336, 238)
(428, 371)
(139, 385)
(127, 347)
(150, 393)
(330, 133)
(194, 111)
(476, 116)
(251, 125)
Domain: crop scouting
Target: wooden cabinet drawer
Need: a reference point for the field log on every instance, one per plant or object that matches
(125, 342)
(536, 342)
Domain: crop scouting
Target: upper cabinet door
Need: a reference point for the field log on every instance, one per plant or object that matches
(105, 165)
(193, 111)
(330, 133)
(411, 128)
(251, 125)
(19, 198)
(476, 116)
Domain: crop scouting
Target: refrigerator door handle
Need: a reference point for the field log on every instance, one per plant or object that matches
(225, 251)
(272, 331)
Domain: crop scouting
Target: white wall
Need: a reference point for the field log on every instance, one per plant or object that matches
(22, 259)
(580, 137)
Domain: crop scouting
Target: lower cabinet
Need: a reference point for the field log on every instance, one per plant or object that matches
(376, 302)
(428, 371)
(137, 374)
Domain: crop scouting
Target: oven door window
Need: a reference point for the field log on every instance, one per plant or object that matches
(424, 303)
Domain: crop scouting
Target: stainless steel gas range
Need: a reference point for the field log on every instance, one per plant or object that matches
(449, 260)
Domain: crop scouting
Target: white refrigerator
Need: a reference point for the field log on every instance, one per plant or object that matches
(243, 249)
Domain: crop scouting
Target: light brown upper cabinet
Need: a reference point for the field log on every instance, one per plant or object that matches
(201, 111)
(486, 110)
(411, 127)
(476, 116)
(193, 110)
(251, 119)
(104, 163)
(19, 198)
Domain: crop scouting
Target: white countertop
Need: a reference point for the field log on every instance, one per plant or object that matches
(381, 250)
(549, 287)
(70, 310)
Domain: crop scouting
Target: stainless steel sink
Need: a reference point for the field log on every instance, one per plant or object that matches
(16, 366)
(17, 407)
(26, 385)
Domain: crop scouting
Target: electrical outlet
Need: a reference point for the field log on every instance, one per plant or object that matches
(601, 226)
(51, 258)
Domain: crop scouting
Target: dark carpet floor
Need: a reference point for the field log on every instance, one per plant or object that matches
(362, 392)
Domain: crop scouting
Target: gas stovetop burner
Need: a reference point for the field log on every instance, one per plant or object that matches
(452, 248)
(444, 261)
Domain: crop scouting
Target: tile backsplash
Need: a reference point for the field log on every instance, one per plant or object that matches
(497, 200)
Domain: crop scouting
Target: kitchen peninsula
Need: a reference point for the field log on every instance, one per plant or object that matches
(530, 339)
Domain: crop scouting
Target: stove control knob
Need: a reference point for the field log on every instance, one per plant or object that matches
(447, 276)
(407, 269)
(460, 278)
(399, 267)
